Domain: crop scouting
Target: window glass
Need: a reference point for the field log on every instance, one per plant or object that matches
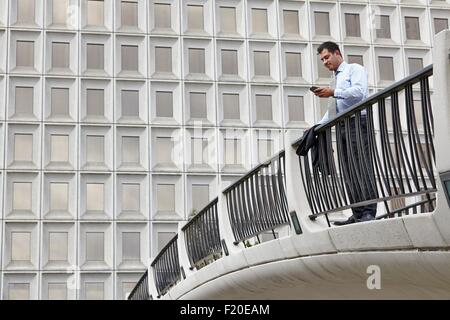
(440, 24)
(57, 291)
(22, 197)
(227, 19)
(24, 100)
(59, 101)
(196, 60)
(386, 67)
(23, 147)
(59, 148)
(20, 246)
(229, 62)
(95, 196)
(164, 238)
(195, 17)
(162, 15)
(164, 145)
(296, 108)
(322, 23)
(95, 12)
(293, 64)
(233, 151)
(197, 103)
(57, 246)
(384, 30)
(415, 64)
(412, 28)
(95, 56)
(265, 149)
(200, 196)
(130, 58)
(95, 246)
(94, 290)
(290, 18)
(59, 196)
(164, 104)
(131, 197)
(95, 102)
(163, 59)
(259, 20)
(352, 25)
(262, 63)
(95, 149)
(129, 13)
(59, 11)
(130, 103)
(354, 58)
(199, 150)
(25, 53)
(19, 291)
(130, 150)
(60, 55)
(165, 194)
(25, 11)
(263, 107)
(131, 246)
(231, 106)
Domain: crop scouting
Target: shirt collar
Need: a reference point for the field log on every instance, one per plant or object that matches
(341, 67)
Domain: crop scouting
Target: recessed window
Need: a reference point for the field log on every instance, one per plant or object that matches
(384, 30)
(24, 101)
(200, 196)
(129, 10)
(57, 291)
(263, 107)
(59, 148)
(412, 28)
(25, 11)
(57, 246)
(20, 246)
(386, 67)
(163, 59)
(164, 145)
(131, 246)
(164, 238)
(59, 196)
(290, 18)
(415, 64)
(230, 62)
(231, 106)
(130, 58)
(22, 196)
(95, 246)
(355, 58)
(25, 53)
(195, 17)
(19, 291)
(95, 149)
(296, 108)
(23, 147)
(197, 104)
(162, 15)
(322, 23)
(265, 149)
(196, 60)
(59, 101)
(130, 150)
(95, 194)
(95, 56)
(232, 151)
(60, 55)
(94, 290)
(164, 104)
(130, 103)
(95, 102)
(165, 195)
(59, 11)
(259, 20)
(95, 12)
(199, 150)
(227, 19)
(131, 197)
(352, 25)
(262, 63)
(440, 24)
(293, 64)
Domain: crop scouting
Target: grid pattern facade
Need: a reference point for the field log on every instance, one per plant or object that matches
(121, 118)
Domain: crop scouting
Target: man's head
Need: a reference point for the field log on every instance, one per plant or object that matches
(330, 54)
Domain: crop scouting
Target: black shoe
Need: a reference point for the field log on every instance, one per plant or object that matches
(366, 217)
(342, 223)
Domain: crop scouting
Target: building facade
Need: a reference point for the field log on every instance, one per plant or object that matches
(121, 118)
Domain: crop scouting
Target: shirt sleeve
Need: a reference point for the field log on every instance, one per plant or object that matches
(324, 118)
(358, 85)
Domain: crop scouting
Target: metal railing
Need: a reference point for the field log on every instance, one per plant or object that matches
(377, 157)
(140, 291)
(257, 202)
(166, 267)
(202, 236)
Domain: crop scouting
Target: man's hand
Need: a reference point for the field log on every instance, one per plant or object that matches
(324, 92)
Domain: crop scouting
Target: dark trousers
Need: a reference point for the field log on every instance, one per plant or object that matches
(359, 186)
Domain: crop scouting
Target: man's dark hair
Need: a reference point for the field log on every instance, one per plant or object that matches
(330, 46)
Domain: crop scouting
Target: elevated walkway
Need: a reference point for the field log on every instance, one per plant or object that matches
(223, 253)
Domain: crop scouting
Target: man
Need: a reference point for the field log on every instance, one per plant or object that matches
(350, 88)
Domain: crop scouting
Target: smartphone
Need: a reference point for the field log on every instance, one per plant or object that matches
(313, 88)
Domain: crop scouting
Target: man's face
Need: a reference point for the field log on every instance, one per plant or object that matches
(331, 61)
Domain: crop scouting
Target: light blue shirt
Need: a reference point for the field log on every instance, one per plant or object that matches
(351, 87)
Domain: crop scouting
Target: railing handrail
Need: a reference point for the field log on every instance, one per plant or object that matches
(252, 171)
(163, 250)
(198, 215)
(138, 285)
(396, 86)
